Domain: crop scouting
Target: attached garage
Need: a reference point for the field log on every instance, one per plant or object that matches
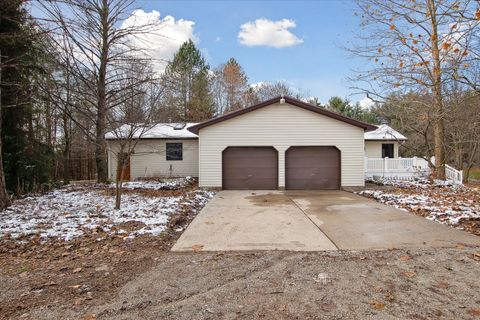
(282, 143)
(250, 168)
(312, 168)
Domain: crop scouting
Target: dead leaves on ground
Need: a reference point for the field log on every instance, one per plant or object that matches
(475, 256)
(409, 274)
(377, 305)
(442, 285)
(474, 312)
(197, 247)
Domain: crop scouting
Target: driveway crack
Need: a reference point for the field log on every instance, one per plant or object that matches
(316, 225)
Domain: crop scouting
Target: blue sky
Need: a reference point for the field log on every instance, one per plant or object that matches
(317, 65)
(311, 60)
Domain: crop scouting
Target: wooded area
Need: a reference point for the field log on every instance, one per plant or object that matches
(74, 74)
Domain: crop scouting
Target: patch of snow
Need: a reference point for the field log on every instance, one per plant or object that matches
(384, 132)
(441, 201)
(68, 213)
(158, 131)
(164, 184)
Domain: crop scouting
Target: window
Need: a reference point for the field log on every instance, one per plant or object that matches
(387, 150)
(174, 151)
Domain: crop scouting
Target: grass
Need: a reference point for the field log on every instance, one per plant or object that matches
(475, 173)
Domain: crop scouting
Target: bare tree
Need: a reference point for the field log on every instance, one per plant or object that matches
(95, 46)
(413, 45)
(134, 117)
(265, 91)
(463, 140)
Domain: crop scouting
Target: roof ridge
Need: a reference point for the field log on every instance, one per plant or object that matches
(292, 101)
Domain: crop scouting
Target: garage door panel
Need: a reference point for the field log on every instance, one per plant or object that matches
(312, 167)
(250, 168)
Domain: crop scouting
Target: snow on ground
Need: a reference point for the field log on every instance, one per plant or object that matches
(68, 212)
(164, 184)
(440, 201)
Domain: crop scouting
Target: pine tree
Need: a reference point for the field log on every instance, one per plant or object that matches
(188, 88)
(26, 159)
(234, 85)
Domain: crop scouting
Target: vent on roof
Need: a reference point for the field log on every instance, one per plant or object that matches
(179, 126)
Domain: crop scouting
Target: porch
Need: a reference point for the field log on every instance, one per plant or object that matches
(405, 169)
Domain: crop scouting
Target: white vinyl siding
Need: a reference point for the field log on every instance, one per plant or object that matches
(373, 149)
(149, 159)
(281, 126)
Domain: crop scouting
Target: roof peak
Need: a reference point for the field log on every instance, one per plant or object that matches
(283, 99)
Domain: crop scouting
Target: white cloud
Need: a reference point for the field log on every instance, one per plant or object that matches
(164, 37)
(264, 32)
(366, 103)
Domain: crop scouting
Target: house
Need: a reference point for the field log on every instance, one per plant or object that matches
(383, 142)
(280, 143)
(167, 149)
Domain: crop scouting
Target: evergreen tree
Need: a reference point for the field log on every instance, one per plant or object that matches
(27, 160)
(344, 107)
(188, 88)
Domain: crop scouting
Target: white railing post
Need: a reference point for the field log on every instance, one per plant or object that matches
(385, 166)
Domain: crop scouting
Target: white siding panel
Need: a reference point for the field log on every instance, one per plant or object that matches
(281, 126)
(373, 149)
(149, 159)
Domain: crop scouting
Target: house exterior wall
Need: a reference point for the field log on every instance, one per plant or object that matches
(373, 149)
(281, 126)
(149, 159)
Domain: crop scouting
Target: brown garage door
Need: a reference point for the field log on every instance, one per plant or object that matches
(250, 168)
(312, 168)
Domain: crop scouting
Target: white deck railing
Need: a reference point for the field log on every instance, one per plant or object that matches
(406, 169)
(453, 174)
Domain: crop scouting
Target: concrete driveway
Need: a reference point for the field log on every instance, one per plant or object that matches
(310, 221)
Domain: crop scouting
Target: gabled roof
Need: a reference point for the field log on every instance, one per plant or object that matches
(158, 131)
(384, 132)
(289, 100)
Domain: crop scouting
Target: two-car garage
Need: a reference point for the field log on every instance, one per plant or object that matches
(282, 143)
(256, 168)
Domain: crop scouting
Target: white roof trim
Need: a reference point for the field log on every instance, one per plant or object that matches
(384, 132)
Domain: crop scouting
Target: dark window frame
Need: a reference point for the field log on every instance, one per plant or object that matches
(388, 150)
(177, 154)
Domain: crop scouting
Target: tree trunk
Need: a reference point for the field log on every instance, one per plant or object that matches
(100, 142)
(66, 151)
(4, 198)
(439, 126)
(118, 182)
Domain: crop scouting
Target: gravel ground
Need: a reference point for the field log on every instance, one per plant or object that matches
(395, 284)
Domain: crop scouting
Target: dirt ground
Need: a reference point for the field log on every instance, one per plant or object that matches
(82, 272)
(139, 278)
